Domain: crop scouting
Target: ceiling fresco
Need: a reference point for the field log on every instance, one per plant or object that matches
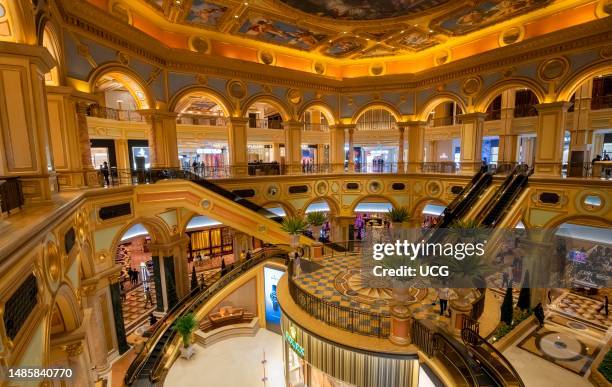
(276, 31)
(363, 9)
(346, 28)
(205, 13)
(484, 14)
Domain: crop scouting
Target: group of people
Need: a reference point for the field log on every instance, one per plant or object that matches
(133, 276)
(606, 157)
(308, 165)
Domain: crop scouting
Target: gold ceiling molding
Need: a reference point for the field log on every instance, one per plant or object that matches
(580, 37)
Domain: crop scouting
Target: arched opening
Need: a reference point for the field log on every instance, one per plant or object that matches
(583, 252)
(370, 218)
(51, 42)
(139, 279)
(208, 156)
(279, 209)
(120, 95)
(375, 141)
(315, 139)
(443, 135)
(427, 211)
(265, 135)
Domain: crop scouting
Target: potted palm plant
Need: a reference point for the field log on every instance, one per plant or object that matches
(294, 226)
(316, 219)
(184, 326)
(399, 216)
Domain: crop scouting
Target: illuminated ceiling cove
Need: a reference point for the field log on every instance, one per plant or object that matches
(344, 29)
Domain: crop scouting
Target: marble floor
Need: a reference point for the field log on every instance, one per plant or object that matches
(232, 362)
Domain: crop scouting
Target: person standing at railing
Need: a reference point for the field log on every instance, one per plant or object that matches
(105, 172)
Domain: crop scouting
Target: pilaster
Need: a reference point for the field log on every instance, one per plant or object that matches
(472, 125)
(293, 144)
(237, 144)
(163, 148)
(549, 138)
(337, 139)
(416, 143)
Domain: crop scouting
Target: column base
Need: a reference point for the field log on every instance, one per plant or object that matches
(549, 170)
(401, 325)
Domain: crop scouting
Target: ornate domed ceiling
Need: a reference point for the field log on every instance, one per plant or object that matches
(363, 9)
(347, 38)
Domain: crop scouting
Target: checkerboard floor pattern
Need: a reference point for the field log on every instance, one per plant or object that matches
(583, 309)
(320, 283)
(133, 307)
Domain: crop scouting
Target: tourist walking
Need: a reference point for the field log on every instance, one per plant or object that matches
(443, 294)
(538, 312)
(604, 306)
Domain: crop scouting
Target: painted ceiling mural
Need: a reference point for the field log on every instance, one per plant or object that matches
(363, 9)
(276, 31)
(205, 13)
(484, 14)
(350, 28)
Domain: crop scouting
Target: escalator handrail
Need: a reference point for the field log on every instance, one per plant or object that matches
(465, 189)
(461, 353)
(180, 308)
(500, 191)
(473, 340)
(512, 193)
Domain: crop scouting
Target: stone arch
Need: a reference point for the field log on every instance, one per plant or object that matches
(132, 82)
(551, 226)
(21, 22)
(284, 110)
(289, 209)
(334, 206)
(323, 107)
(377, 105)
(487, 96)
(417, 208)
(437, 99)
(49, 36)
(66, 301)
(214, 95)
(379, 198)
(156, 227)
(569, 87)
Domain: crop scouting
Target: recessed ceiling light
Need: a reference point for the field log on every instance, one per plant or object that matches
(368, 39)
(416, 25)
(430, 30)
(245, 3)
(329, 41)
(402, 31)
(236, 16)
(344, 32)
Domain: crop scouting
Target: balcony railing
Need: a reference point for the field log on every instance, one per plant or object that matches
(260, 123)
(525, 111)
(11, 194)
(310, 127)
(114, 114)
(601, 102)
(443, 121)
(376, 125)
(206, 120)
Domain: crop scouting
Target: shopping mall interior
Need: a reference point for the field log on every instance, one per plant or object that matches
(191, 192)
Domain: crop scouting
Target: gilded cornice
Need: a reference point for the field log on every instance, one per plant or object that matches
(86, 18)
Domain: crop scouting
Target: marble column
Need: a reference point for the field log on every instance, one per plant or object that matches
(351, 146)
(122, 154)
(171, 272)
(400, 150)
(77, 361)
(581, 136)
(337, 140)
(237, 143)
(293, 145)
(95, 330)
(416, 144)
(472, 125)
(24, 121)
(508, 141)
(550, 132)
(115, 291)
(161, 136)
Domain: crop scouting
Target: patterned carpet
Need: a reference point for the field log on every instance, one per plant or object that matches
(134, 309)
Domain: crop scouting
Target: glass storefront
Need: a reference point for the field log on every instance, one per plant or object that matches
(212, 156)
(141, 158)
(260, 153)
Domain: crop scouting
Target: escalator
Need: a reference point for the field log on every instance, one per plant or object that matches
(503, 199)
(209, 185)
(468, 196)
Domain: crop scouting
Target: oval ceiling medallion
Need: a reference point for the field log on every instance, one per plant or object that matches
(377, 69)
(319, 68)
(553, 69)
(236, 89)
(294, 96)
(471, 86)
(266, 57)
(441, 57)
(199, 44)
(511, 35)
